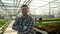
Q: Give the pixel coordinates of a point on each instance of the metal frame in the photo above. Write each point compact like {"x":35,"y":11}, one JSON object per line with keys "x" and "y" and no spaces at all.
{"x":17,"y":3}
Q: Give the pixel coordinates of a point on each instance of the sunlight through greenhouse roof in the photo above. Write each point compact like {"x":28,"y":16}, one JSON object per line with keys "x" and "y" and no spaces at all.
{"x":35,"y":6}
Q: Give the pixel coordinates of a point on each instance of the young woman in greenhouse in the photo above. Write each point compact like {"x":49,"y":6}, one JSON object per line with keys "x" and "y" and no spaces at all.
{"x":25,"y":23}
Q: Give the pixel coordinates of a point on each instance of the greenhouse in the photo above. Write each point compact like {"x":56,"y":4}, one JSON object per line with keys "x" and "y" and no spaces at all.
{"x":46,"y":15}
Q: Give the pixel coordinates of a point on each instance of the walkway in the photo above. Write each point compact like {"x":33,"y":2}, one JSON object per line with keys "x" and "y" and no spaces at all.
{"x":9,"y":29}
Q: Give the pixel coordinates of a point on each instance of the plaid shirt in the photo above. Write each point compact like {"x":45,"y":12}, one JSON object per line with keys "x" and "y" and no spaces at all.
{"x":23,"y":24}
